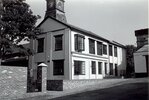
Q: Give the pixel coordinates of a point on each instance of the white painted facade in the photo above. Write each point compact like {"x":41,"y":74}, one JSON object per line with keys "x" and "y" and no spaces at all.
{"x":140,"y":60}
{"x":51,"y":28}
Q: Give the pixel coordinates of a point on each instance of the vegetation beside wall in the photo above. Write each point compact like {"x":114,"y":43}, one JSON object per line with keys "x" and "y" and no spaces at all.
{"x":130,"y":49}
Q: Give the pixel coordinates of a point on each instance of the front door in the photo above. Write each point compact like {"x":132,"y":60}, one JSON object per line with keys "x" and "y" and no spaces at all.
{"x":39,"y":80}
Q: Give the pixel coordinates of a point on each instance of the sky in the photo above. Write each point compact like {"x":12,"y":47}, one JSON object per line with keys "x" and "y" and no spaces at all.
{"x":111,"y":19}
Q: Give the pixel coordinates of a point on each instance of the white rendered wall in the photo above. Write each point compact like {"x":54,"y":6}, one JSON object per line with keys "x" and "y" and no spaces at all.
{"x":120,"y":60}
{"x":49,"y":53}
{"x":140,"y":62}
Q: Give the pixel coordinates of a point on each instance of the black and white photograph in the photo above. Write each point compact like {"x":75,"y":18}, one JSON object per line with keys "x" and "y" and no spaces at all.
{"x":74,"y":50}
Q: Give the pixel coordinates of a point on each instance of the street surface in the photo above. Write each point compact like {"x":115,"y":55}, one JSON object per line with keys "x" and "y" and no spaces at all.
{"x":131,"y":91}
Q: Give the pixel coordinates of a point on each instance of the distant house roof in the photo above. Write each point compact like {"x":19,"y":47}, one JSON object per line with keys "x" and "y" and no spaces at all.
{"x":16,"y":51}
{"x":141,"y":32}
{"x":143,"y":49}
{"x":89,"y":33}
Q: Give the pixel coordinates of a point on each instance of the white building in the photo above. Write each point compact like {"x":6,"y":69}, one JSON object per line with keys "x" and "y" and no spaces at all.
{"x":72,"y":53}
{"x":142,"y":54}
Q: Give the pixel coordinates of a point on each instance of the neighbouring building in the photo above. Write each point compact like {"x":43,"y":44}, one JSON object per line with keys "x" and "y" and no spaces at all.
{"x":71,"y":53}
{"x":141,"y":55}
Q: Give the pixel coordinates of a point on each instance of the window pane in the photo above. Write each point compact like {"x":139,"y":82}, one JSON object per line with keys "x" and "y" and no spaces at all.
{"x":58,"y":67}
{"x":79,"y":43}
{"x":111,"y":68}
{"x":99,"y":48}
{"x":105,"y":68}
{"x":79,"y":68}
{"x":104,"y":49}
{"x":91,"y":46}
{"x":40,"y":47}
{"x":58,"y":42}
{"x":110,"y":50}
{"x":93,"y":67}
{"x":99,"y":67}
{"x":115,"y":51}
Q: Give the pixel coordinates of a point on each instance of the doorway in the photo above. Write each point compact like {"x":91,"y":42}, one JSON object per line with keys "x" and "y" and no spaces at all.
{"x":116,"y":70}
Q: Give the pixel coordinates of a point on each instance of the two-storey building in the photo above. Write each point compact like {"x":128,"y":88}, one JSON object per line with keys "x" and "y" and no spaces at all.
{"x":72,"y":53}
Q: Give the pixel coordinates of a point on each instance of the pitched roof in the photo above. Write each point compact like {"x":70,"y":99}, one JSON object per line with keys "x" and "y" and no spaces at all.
{"x":143,"y":49}
{"x":89,"y":33}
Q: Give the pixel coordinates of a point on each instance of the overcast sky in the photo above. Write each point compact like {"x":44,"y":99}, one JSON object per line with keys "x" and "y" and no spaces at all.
{"x":112,"y":19}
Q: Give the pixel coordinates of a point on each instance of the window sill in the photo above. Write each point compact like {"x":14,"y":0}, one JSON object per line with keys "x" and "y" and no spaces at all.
{"x":58,"y":75}
{"x":78,"y":74}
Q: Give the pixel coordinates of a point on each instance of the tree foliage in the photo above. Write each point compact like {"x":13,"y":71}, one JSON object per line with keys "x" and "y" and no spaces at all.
{"x":130,"y":49}
{"x":17,"y":23}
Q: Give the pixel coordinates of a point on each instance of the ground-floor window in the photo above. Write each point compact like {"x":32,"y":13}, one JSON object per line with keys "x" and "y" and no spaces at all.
{"x":111,"y":68}
{"x":99,"y":67}
{"x":93,"y":66}
{"x":58,"y":67}
{"x":106,"y":68}
{"x":79,"y":67}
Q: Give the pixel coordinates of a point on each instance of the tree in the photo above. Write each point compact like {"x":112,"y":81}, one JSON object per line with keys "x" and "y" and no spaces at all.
{"x":17,"y":23}
{"x":130,"y":49}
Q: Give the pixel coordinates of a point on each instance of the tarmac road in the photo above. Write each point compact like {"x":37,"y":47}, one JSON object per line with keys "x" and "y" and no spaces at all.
{"x":131,"y":91}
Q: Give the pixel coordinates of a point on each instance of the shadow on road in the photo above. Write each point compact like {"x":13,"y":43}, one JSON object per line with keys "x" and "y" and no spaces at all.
{"x":131,"y":91}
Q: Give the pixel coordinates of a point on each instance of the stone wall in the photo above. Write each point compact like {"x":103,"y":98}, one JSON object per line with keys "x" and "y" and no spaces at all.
{"x":13,"y":81}
{"x":62,"y":85}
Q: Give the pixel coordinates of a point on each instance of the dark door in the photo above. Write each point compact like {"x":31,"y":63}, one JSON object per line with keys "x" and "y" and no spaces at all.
{"x":39,"y":79}
{"x":116,"y":73}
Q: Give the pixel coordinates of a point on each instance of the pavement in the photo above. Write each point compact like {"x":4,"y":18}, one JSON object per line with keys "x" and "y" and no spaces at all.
{"x":105,"y":83}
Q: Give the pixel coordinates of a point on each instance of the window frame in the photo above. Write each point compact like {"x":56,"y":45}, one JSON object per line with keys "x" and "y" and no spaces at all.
{"x":56,"y":44}
{"x":91,"y":46}
{"x":100,"y":67}
{"x":115,"y":51}
{"x":104,"y":49}
{"x":105,"y":66}
{"x":55,"y":72}
{"x":76,"y":41}
{"x":39,"y":44}
{"x":111,"y":69}
{"x":110,"y":50}
{"x":99,"y":49}
{"x":81,"y":69}
{"x":93,"y":67}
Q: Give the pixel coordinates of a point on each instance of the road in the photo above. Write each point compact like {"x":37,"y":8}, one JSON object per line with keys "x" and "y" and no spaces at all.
{"x":132,"y":91}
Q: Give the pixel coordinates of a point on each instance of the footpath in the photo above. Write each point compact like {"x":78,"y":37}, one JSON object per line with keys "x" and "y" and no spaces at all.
{"x":105,"y":83}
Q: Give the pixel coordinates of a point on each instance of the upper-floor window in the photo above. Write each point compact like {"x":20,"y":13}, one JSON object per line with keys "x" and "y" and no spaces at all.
{"x":91,"y":46}
{"x":93,"y":66}
{"x":79,"y":43}
{"x":110,"y":50}
{"x":79,"y":68}
{"x":58,"y":42}
{"x":58,"y":67}
{"x":99,"y":48}
{"x":104,"y":49}
{"x":115,"y":51}
{"x":40,"y":47}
